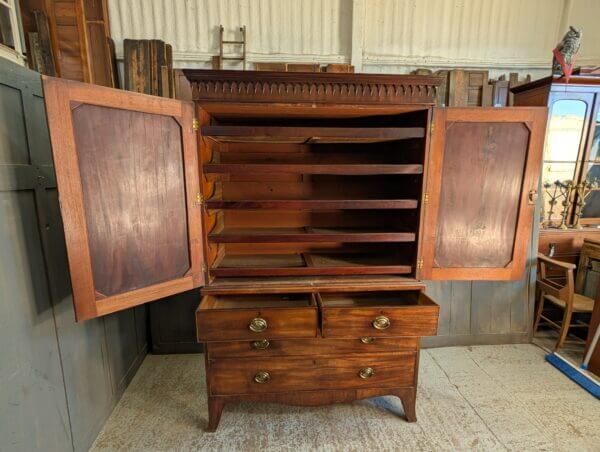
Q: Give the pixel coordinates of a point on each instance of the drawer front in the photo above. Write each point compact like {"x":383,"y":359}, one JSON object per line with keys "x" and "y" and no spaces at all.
{"x":231,"y":325}
{"x":313,"y":347}
{"x":385,"y":320}
{"x":254,"y":317}
{"x":249,"y":376}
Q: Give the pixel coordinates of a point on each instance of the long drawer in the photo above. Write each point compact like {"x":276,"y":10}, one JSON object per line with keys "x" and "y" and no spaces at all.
{"x":250,"y":376}
{"x":378,"y":314}
{"x":255,"y":317}
{"x":263,"y":348}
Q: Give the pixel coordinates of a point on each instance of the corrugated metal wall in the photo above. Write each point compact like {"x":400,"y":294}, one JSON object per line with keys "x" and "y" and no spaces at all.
{"x":312,"y":30}
{"x":393,"y":35}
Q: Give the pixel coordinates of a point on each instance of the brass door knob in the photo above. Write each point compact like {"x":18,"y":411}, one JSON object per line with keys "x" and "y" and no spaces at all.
{"x":258,"y":324}
{"x":367,"y":340}
{"x":365,"y":373}
{"x":261,"y":345}
{"x":381,"y":322}
{"x":262,"y":377}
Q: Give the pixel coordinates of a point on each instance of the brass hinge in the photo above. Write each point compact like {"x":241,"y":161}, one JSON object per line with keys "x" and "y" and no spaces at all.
{"x":204,"y":267}
{"x":431,"y":127}
{"x":195,"y":125}
{"x":425,"y":198}
{"x":419,"y":264}
{"x":199,"y":199}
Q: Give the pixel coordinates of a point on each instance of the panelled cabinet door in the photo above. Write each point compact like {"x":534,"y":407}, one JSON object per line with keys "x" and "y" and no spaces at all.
{"x":127,"y":173}
{"x":482,"y":180}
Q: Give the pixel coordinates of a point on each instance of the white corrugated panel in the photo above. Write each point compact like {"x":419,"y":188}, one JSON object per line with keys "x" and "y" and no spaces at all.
{"x":310,"y":30}
{"x":515,"y":33}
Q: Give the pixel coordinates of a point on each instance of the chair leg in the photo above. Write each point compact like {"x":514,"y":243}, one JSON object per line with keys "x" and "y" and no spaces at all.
{"x":564,"y":329}
{"x":538,"y":312}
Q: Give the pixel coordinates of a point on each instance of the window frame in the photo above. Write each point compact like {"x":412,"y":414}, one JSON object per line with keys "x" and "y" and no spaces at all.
{"x":581,"y":165}
{"x":16,"y":55}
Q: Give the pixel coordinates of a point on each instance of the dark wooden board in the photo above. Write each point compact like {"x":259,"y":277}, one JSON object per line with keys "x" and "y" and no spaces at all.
{"x":275,"y":235}
{"x":226,"y":134}
{"x":310,"y":204}
{"x":342,"y":169}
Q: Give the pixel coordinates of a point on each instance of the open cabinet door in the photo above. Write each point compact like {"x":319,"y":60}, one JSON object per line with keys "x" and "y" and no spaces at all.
{"x":484,"y":166}
{"x":127,"y":174}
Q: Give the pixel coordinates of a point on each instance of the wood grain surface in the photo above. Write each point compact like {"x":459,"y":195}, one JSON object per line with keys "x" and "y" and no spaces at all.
{"x":134,"y":197}
{"x":236,"y":376}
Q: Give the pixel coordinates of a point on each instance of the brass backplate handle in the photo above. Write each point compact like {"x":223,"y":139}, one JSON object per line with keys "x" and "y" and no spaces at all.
{"x":381,"y":322}
{"x":365,"y":373}
{"x":367,"y":340}
{"x":262,"y":377}
{"x":533,"y":196}
{"x":258,"y":324}
{"x":261,"y":345}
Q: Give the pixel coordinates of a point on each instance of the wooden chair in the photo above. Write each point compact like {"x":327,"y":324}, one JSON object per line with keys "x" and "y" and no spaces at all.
{"x":560,"y":294}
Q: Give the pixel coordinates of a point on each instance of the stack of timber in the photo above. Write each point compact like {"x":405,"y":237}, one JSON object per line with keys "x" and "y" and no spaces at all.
{"x":148,"y":67}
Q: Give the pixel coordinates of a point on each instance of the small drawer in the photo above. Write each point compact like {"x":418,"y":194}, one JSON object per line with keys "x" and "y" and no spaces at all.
{"x":314,"y":347}
{"x":378,"y":314}
{"x":249,"y":376}
{"x":255,"y":317}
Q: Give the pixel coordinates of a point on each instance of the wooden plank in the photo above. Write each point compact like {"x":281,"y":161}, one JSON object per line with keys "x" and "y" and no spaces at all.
{"x":257,"y":235}
{"x":342,"y":169}
{"x":322,"y":264}
{"x":31,"y":386}
{"x":460,"y":308}
{"x":346,"y":283}
{"x":304,"y":134}
{"x":310,"y":204}
{"x":44,"y":40}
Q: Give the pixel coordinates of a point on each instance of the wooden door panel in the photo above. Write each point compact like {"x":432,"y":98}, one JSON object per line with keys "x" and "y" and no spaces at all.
{"x":127,"y":174}
{"x":137,"y":179}
{"x":483,"y":164}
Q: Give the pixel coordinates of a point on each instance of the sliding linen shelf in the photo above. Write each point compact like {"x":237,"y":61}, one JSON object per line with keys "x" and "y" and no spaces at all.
{"x":308,"y":235}
{"x":313,"y":204}
{"x":291,"y":168}
{"x":303,"y":264}
{"x":270,"y":134}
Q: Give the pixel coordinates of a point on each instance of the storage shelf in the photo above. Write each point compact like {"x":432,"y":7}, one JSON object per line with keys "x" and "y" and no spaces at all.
{"x":308,"y":235}
{"x":309,"y":264}
{"x":341,"y":169}
{"x":313,"y":204}
{"x":270,"y":134}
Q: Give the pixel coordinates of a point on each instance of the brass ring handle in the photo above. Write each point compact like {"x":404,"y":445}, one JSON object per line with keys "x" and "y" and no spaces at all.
{"x":258,"y":324}
{"x":261,"y":345}
{"x":367,"y":340}
{"x":381,"y":322}
{"x":262,"y":377}
{"x":365,"y":373}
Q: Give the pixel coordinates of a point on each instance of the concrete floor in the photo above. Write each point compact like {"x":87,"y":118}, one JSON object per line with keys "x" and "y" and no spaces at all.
{"x":470,"y":398}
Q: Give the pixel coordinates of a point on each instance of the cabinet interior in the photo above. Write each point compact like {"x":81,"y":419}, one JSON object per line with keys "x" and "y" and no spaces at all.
{"x":301,"y":194}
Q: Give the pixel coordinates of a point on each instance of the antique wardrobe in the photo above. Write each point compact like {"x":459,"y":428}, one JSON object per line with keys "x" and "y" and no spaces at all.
{"x":308,"y":206}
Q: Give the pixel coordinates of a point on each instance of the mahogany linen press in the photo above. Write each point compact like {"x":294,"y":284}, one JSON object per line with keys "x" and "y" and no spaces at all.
{"x":309,"y":207}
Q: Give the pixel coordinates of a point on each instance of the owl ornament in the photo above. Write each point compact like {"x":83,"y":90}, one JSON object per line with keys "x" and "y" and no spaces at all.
{"x":565,"y":53}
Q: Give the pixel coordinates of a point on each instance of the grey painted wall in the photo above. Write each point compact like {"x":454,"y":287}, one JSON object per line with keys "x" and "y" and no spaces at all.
{"x":59,"y":380}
